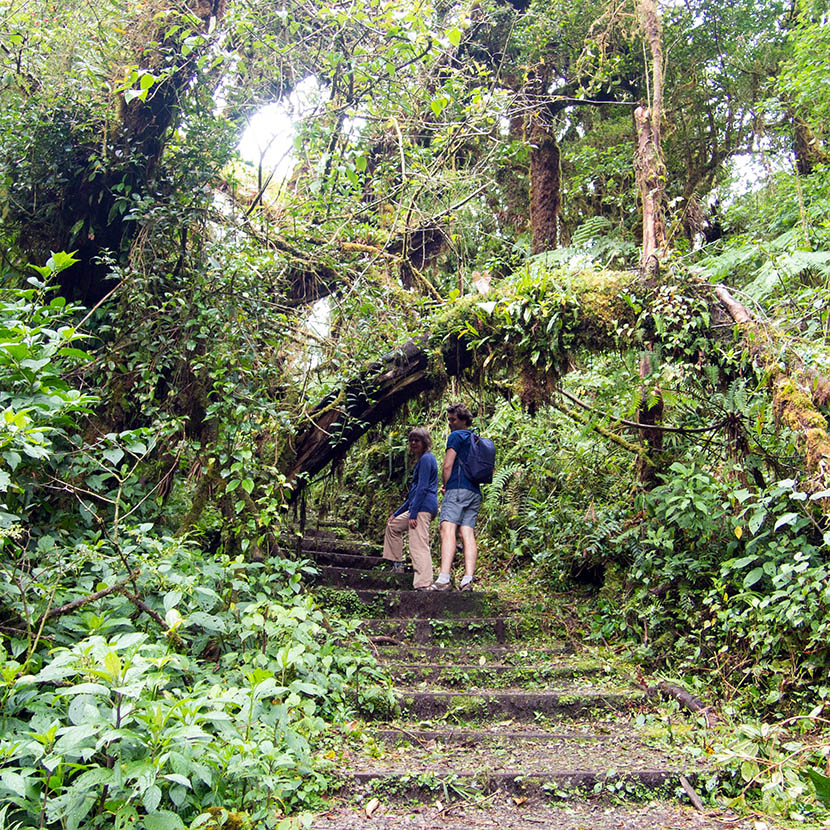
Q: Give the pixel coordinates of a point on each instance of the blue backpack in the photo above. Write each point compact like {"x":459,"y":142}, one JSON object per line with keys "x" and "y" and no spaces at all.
{"x":481,"y":460}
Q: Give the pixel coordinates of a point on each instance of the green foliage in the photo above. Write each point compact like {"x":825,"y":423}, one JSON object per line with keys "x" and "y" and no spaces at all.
{"x":804,"y":74}
{"x":36,"y":402}
{"x":113,"y":723}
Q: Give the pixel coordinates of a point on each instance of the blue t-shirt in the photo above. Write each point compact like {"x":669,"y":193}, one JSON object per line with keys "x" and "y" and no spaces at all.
{"x":459,"y":440}
{"x":423,"y":489}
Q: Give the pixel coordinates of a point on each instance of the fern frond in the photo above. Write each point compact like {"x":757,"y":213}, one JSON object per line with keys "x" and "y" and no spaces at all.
{"x":494,"y":491}
{"x":589,"y":230}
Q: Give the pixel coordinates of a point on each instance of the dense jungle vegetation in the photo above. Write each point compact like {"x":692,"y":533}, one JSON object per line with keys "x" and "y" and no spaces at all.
{"x":605,"y":225}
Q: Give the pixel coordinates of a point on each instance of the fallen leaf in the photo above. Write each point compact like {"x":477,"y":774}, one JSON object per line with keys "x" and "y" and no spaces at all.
{"x":371,"y":807}
{"x":519,"y":801}
{"x":439,"y":806}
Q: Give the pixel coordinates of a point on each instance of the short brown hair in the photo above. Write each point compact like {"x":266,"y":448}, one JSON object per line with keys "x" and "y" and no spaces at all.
{"x":423,"y":436}
{"x":461,"y":412}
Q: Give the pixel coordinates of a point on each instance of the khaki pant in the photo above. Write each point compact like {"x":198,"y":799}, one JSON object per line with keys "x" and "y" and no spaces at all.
{"x":418,"y":546}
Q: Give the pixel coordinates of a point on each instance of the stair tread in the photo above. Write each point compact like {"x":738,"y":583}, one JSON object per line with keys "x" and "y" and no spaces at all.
{"x":502,"y":812}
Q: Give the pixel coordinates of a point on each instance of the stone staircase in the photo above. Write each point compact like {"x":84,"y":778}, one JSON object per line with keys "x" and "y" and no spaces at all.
{"x":495,"y":722}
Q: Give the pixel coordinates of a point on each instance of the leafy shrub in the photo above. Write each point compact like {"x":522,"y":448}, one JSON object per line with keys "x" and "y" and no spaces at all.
{"x":222,"y":701}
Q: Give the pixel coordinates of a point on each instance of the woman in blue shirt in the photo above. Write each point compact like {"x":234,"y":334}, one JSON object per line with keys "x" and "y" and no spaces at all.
{"x":415,"y":513}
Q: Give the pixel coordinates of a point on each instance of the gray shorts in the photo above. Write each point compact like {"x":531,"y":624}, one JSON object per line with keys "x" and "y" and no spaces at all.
{"x":460,"y":507}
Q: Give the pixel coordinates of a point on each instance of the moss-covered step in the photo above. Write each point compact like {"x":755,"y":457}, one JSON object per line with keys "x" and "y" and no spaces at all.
{"x":461,"y":675}
{"x":487,"y":704}
{"x":310,"y":545}
{"x":613,"y":729}
{"x":515,"y":655}
{"x":346,"y":560}
{"x":449,"y":785}
{"x":363,"y":579}
{"x":451,"y":631}
{"x":429,"y":604}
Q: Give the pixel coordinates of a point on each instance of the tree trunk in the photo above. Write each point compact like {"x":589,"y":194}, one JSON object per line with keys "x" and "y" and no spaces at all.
{"x":650,"y":413}
{"x":545,"y":184}
{"x":649,"y":165}
{"x":806,"y":147}
{"x":651,"y":176}
{"x":341,"y":418}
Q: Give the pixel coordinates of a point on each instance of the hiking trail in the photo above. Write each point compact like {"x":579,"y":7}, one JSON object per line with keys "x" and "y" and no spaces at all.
{"x":496,"y":724}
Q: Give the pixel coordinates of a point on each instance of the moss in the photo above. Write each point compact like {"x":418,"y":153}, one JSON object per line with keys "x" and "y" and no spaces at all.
{"x":793,"y":408}
{"x":223,"y":819}
{"x":466,"y":707}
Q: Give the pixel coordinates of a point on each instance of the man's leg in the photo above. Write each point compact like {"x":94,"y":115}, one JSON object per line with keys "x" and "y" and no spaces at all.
{"x":447,"y":551}
{"x":468,"y":539}
{"x":393,"y":537}
{"x":419,"y":551}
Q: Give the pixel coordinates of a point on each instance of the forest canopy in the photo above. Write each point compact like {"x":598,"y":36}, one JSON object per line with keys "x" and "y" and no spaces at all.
{"x":605,"y":225}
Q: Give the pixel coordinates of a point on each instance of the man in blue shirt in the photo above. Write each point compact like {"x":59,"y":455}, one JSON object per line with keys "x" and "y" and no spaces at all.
{"x":462,"y":500}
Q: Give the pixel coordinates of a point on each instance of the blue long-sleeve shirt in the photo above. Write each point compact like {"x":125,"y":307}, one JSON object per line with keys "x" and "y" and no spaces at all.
{"x":423,"y":489}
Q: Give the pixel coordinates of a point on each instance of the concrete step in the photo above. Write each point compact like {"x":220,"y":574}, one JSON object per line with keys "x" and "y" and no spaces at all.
{"x":450,"y":785}
{"x":363,"y":579}
{"x":529,"y":761}
{"x":346,"y":560}
{"x":408,"y":604}
{"x":311,"y":545}
{"x":516,"y":655}
{"x":460,"y":675}
{"x":403,"y":631}
{"x":504,"y":734}
{"x":487,"y":705}
{"x":452,"y":630}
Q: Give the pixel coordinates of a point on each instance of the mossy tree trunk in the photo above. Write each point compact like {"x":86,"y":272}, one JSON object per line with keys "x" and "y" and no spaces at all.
{"x":545,"y":187}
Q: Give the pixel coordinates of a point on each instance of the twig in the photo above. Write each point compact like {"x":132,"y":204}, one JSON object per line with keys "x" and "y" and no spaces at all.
{"x":142,"y":606}
{"x":469,"y":801}
{"x":78,"y":603}
{"x":693,"y":796}
{"x":408,"y":734}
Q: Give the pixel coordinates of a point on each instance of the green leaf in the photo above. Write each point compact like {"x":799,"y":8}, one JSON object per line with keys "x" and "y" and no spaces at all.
{"x":61,"y":260}
{"x":131,"y":94}
{"x":454,"y":36}
{"x":752,"y":577}
{"x":114,"y":455}
{"x":756,"y":520}
{"x":178,"y":779}
{"x":163,"y":820}
{"x":822,"y":785}
{"x":786,"y":519}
